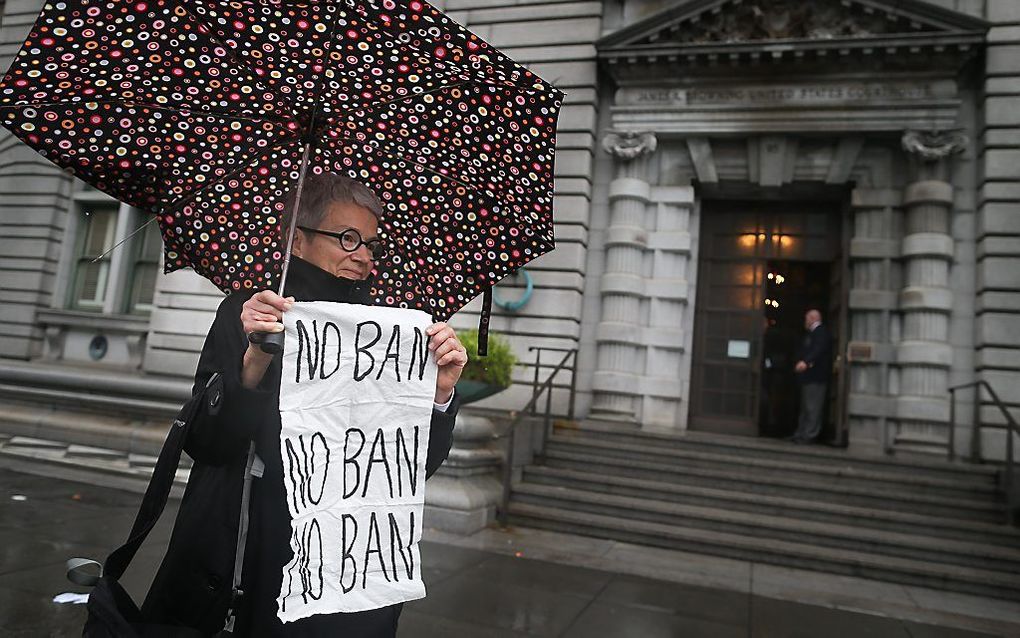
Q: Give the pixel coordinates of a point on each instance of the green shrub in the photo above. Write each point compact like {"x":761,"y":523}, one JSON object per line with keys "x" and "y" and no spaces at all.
{"x":495,"y":367}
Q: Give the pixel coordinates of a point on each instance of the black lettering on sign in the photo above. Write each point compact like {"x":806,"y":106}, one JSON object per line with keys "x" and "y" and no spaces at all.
{"x":378,"y":444}
{"x":305,"y":347}
{"x":373,"y":527}
{"x":397,"y":544}
{"x":419,"y":353}
{"x":307,"y":561}
{"x":411,"y":462}
{"x":301,"y":468}
{"x":352,"y":459}
{"x":363,"y":349}
{"x":346,"y":549}
{"x":325,"y":335}
{"x":392,"y":353}
{"x":311,"y":547}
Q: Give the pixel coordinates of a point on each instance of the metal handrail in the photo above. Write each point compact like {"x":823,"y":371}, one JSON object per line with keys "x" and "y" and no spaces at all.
{"x":1011,"y":490}
{"x":529,"y":408}
{"x":538,"y":367}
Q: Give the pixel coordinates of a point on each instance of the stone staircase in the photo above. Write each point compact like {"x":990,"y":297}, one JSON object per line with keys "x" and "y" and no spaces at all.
{"x":917,"y":522}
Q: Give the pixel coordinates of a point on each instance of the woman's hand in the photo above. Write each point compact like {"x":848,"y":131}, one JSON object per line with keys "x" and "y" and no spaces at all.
{"x":263,"y":312}
{"x":451,"y":357}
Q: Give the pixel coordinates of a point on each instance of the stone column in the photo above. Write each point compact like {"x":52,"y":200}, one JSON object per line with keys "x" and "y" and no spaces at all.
{"x":875,"y":282}
{"x":924,"y":354}
{"x":619,"y":360}
{"x":666,"y":374}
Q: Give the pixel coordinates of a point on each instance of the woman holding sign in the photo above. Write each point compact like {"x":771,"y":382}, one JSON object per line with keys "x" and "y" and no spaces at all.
{"x":333,"y":254}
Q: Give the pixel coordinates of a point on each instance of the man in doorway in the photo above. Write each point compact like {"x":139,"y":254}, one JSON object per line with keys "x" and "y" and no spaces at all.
{"x":813,"y":369}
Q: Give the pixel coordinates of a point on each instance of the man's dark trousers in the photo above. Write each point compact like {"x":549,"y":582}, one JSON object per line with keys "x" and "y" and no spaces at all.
{"x":812,"y":405}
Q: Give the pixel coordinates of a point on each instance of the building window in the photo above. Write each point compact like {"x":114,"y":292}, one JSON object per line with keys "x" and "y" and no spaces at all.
{"x":97,"y":224}
{"x":116,"y":256}
{"x":144,"y":269}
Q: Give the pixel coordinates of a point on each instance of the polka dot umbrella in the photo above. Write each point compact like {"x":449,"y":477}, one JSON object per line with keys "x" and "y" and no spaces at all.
{"x":207,"y":113}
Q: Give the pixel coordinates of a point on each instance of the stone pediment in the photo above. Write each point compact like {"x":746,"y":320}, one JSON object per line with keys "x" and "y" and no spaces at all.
{"x":713,"y":26}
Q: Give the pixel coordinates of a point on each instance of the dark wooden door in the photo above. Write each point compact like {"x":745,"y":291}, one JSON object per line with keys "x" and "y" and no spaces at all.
{"x":739,"y":241}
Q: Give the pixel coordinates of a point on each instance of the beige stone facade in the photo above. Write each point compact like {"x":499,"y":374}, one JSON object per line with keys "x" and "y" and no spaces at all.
{"x":901,"y":119}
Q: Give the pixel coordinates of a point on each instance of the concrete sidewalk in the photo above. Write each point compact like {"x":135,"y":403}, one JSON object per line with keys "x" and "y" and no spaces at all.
{"x":497,"y":582}
{"x":814,"y":594}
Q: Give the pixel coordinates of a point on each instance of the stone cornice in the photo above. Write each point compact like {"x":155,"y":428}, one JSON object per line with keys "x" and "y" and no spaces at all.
{"x":702,"y":33}
{"x":903,"y":16}
{"x":744,"y":53}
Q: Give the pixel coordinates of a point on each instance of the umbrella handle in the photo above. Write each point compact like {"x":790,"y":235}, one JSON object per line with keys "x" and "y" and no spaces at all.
{"x":268,"y":342}
{"x":272,"y":342}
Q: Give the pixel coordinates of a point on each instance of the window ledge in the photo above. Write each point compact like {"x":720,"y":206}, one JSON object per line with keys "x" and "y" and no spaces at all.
{"x":83,"y":319}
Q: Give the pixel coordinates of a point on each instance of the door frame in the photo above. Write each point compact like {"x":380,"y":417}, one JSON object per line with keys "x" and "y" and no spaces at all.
{"x":838,"y":198}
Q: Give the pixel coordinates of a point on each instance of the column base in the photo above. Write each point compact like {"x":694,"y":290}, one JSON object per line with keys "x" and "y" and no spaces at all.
{"x":461,"y":497}
{"x":461,"y":505}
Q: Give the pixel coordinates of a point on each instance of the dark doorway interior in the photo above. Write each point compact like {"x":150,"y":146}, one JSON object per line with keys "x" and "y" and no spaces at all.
{"x":791,"y":287}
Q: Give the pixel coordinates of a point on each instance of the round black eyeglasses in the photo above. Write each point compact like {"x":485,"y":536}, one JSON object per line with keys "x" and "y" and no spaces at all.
{"x":350,"y":240}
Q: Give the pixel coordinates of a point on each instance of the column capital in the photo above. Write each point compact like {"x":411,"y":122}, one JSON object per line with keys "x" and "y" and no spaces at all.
{"x":932,"y":146}
{"x":629,"y":145}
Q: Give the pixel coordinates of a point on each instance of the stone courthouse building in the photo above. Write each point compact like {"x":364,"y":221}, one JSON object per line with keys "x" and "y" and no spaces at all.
{"x":722,"y":165}
{"x":867,"y":152}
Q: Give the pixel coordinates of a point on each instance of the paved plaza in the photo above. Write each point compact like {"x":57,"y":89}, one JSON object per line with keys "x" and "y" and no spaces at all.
{"x":485,"y":585}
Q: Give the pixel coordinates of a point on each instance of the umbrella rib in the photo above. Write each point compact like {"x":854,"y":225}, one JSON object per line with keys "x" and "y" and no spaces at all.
{"x":322,"y":85}
{"x":232,"y":55}
{"x":192,"y":194}
{"x":121,"y":242}
{"x":227,"y":114}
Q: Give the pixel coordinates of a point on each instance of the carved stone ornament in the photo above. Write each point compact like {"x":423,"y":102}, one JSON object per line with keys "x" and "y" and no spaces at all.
{"x":784,"y":19}
{"x":627,"y":145}
{"x":932,"y":146}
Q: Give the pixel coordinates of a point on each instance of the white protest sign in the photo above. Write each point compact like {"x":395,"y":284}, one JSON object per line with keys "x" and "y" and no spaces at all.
{"x":355,"y":407}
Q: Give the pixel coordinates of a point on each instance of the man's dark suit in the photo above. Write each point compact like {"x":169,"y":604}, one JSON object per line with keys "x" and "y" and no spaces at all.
{"x":816,"y":352}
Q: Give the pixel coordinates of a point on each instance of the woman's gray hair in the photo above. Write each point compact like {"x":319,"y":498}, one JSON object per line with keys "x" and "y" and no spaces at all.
{"x":324,"y":189}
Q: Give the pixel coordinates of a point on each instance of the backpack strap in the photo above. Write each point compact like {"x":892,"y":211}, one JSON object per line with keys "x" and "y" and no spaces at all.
{"x":156,"y":494}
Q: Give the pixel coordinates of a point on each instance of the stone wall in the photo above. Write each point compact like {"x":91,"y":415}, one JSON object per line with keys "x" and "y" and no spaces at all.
{"x":33,"y":215}
{"x":998,"y":220}
{"x":555,"y":40}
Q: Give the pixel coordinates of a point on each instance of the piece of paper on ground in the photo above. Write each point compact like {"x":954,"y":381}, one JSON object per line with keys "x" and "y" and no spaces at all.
{"x":356,"y":401}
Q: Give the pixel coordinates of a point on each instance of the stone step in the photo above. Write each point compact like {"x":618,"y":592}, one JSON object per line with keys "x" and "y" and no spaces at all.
{"x":90,"y":452}
{"x":97,"y":471}
{"x":765,"y":448}
{"x":793,"y":508}
{"x":811,"y":474}
{"x":148,"y":462}
{"x":733,"y":479}
{"x":908,"y":571}
{"x":31,"y":443}
{"x":915,"y":546}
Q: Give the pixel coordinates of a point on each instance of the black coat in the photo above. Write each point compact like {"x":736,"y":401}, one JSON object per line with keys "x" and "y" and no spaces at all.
{"x":816,"y":351}
{"x":193,"y":584}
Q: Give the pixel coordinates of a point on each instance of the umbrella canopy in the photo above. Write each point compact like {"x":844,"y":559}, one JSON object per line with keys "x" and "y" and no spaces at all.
{"x":201,"y":111}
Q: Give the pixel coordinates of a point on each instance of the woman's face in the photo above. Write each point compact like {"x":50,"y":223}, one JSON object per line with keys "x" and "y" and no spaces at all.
{"x":325,"y":251}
